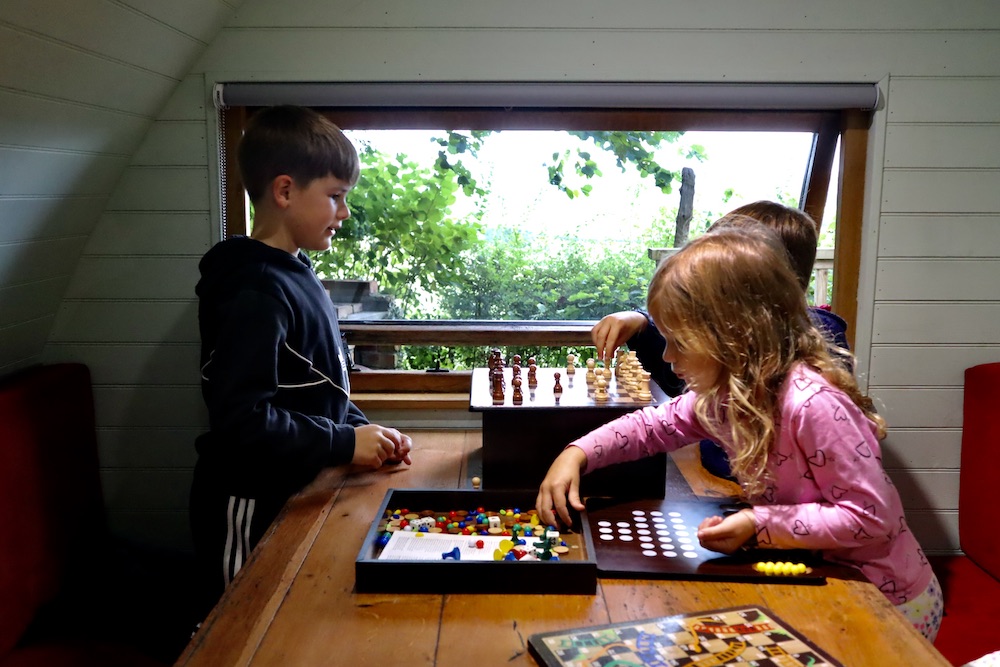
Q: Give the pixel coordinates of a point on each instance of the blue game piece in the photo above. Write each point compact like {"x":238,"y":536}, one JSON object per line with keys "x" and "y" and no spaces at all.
{"x":454,"y":553}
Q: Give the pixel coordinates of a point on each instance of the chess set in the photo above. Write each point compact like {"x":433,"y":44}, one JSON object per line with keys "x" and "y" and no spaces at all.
{"x":626,"y":383}
{"x":722,"y":637}
{"x":530,"y":414}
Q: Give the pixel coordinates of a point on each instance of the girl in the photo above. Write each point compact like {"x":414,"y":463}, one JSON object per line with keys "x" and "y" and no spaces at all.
{"x":802,"y":439}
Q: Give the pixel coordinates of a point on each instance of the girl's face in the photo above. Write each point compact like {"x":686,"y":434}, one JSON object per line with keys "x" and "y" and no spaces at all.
{"x":699,"y":372}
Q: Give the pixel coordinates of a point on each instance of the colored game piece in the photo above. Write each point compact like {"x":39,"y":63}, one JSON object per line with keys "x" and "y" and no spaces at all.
{"x":455,"y":553}
{"x":532,"y":375}
{"x":570,"y":364}
{"x":476,"y":482}
{"x":591,"y":375}
{"x":557,"y":387}
{"x":518,"y":396}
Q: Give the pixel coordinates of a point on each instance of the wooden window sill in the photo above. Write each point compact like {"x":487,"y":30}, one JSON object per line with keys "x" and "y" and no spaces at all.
{"x":410,"y":401}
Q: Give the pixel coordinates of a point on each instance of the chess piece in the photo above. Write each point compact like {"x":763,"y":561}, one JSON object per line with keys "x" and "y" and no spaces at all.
{"x":476,"y":482}
{"x":532,"y":375}
{"x":518,"y":396}
{"x":497,"y":387}
{"x":516,"y":359}
{"x":570,"y":364}
{"x":516,"y":370}
{"x":601,"y":392}
{"x":557,"y":387}
{"x":644,"y":393}
{"x":591,"y":375}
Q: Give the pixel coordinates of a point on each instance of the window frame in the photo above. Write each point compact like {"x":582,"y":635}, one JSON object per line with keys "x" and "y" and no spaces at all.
{"x":850,"y":126}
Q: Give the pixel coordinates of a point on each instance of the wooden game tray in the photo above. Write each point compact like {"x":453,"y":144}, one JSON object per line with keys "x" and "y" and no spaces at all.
{"x":675,"y":552}
{"x":574,"y":573}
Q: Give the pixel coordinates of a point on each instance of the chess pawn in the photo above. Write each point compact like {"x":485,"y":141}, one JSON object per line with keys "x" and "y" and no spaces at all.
{"x":557,"y":387}
{"x":591,"y":375}
{"x":644,"y":393}
{"x":531,"y":361}
{"x":516,"y":359}
{"x":518,"y":396}
{"x":516,"y":370}
{"x":601,"y":392}
{"x":570,"y":364}
{"x":532,"y":375}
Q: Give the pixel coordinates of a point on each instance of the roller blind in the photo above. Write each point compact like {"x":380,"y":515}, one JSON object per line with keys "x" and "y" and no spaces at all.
{"x":634,"y":95}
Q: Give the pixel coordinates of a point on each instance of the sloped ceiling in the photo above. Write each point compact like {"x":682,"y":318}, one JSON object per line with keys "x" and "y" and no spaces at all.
{"x":81,"y":81}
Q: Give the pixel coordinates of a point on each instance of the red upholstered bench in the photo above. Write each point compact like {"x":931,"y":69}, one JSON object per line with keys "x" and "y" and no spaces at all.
{"x":971,"y":583}
{"x":51,"y":519}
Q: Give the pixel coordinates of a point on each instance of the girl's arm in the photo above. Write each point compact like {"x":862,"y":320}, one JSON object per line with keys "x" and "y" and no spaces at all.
{"x":831,"y":490}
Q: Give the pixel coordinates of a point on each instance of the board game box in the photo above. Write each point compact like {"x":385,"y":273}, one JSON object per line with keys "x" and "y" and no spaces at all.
{"x":450,"y":560}
{"x":725,"y":637}
{"x":657,"y":539}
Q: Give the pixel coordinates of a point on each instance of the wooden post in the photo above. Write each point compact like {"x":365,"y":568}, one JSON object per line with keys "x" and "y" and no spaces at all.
{"x":685,"y":208}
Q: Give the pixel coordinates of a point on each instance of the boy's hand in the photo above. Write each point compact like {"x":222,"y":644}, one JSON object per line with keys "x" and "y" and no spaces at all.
{"x":375,"y":445}
{"x":729,"y":534}
{"x":561,"y":483}
{"x":614,"y":330}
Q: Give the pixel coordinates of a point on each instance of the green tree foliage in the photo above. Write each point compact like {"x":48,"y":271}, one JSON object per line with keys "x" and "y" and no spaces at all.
{"x":401,"y":232}
{"x":629,"y":148}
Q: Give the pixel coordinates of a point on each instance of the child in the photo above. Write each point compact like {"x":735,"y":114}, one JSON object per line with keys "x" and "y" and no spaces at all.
{"x":798,"y":233}
{"x":802,"y":439}
{"x":274,"y":375}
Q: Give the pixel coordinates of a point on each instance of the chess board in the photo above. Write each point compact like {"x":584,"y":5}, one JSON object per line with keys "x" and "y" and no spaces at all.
{"x":520,"y":441}
{"x":576,"y":392}
{"x":657,"y":539}
{"x":720,"y":638}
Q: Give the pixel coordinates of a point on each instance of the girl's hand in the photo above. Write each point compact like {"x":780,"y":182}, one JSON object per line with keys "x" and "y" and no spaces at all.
{"x":561,"y":484}
{"x":729,"y":534}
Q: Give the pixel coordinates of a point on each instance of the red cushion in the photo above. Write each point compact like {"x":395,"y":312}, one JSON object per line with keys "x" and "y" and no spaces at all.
{"x":76,"y":654}
{"x":50,"y":495}
{"x":972,"y":610}
{"x":980,"y":473}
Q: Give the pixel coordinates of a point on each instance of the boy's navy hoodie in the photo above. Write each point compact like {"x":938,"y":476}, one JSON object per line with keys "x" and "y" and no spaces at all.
{"x":274,"y":377}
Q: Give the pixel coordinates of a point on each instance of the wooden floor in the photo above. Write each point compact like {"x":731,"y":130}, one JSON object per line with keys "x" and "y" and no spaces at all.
{"x":294,"y":603}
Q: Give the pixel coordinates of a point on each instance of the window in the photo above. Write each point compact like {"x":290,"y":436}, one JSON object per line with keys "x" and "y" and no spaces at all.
{"x":813,"y":135}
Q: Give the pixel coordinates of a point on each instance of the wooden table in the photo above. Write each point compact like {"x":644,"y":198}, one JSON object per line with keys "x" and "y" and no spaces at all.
{"x":294,"y":601}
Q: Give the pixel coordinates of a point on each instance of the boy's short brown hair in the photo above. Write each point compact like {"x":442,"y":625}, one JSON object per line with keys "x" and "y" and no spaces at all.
{"x":799,"y":233}
{"x":295,"y":141}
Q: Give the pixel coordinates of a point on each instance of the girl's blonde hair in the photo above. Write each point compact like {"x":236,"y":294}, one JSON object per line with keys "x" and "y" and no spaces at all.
{"x":732,"y":297}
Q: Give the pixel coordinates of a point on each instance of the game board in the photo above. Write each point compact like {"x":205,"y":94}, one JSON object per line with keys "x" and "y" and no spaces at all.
{"x":718,"y":638}
{"x":520,"y":440}
{"x":568,"y":567}
{"x":657,"y":539}
{"x":576,"y":391}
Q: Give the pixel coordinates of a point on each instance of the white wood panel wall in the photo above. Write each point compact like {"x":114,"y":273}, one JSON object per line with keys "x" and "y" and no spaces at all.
{"x":932,"y":226}
{"x":81,"y":82}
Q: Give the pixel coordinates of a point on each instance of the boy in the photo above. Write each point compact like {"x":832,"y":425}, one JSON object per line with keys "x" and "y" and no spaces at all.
{"x":798,"y":233}
{"x":274,"y":375}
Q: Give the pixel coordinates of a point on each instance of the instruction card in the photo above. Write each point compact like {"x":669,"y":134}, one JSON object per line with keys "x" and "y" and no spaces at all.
{"x":412,"y":545}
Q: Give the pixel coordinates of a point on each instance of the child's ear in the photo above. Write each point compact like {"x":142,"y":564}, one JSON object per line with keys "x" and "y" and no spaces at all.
{"x":281,"y":188}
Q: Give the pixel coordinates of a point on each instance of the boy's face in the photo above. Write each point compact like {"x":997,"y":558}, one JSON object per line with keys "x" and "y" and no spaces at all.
{"x":316,"y":211}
